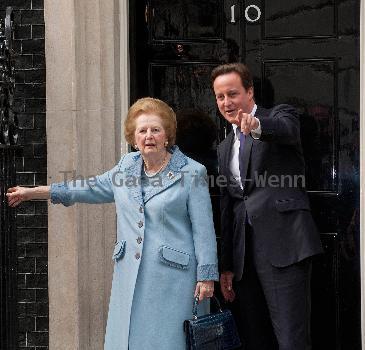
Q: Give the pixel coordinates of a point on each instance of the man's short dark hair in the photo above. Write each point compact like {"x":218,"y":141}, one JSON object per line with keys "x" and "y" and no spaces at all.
{"x":239,"y":68}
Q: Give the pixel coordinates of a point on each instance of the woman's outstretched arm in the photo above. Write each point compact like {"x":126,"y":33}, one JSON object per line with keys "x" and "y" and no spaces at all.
{"x":17,"y":195}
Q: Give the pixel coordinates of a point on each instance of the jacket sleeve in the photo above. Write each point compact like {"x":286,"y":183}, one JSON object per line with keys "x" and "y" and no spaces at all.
{"x":281,"y":126}
{"x":201,"y":217}
{"x":226,"y":212}
{"x":98,"y":189}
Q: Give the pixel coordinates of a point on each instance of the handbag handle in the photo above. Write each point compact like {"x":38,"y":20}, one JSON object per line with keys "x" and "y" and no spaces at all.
{"x":195,"y":305}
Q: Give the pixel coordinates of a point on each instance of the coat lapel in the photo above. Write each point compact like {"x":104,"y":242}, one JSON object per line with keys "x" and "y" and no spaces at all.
{"x":133,"y":172}
{"x":168,"y":177}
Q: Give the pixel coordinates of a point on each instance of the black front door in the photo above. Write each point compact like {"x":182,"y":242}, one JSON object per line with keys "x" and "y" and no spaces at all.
{"x":302,"y":53}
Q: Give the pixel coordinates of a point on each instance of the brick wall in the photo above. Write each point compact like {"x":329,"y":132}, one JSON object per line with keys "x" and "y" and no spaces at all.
{"x":31,"y":170}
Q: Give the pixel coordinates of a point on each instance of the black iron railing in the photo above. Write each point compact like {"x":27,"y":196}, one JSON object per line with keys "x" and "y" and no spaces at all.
{"x":8,"y":258}
{"x":8,"y":117}
{"x":8,"y":140}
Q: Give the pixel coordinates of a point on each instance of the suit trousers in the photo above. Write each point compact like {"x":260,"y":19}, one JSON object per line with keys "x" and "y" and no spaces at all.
{"x":272,"y":306}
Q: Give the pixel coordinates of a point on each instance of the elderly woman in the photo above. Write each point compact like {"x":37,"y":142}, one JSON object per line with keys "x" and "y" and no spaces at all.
{"x":166,"y":250}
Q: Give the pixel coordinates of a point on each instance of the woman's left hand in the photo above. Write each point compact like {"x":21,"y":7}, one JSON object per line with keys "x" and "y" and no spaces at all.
{"x":204,"y":289}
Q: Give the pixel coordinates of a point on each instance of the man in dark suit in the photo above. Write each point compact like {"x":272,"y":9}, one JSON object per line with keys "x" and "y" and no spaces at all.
{"x":268,"y":234}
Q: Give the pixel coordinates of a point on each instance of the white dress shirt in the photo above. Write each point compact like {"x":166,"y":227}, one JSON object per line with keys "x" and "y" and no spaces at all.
{"x":234,"y":162}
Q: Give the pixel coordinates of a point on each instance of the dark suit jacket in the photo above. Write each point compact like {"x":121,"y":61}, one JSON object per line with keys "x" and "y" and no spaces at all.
{"x":273,"y":196}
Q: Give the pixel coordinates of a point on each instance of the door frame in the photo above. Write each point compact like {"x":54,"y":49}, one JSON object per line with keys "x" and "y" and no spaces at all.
{"x":125,"y":57}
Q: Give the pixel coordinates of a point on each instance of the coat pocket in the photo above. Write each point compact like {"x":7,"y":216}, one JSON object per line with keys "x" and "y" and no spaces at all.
{"x":284,"y":205}
{"x":173,"y":257}
{"x":119,"y":250}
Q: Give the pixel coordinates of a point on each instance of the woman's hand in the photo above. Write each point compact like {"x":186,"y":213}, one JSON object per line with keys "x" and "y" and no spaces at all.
{"x":204,"y":289}
{"x":18,"y":194}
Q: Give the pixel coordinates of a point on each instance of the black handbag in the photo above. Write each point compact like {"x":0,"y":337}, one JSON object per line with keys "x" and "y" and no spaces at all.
{"x":216,"y":331}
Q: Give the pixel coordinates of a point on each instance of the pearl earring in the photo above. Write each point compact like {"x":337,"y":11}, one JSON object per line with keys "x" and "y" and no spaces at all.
{"x":136,"y":147}
{"x":166,"y":143}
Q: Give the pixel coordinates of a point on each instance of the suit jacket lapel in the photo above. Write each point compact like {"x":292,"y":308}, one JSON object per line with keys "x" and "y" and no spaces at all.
{"x":226,"y":153}
{"x":260,"y":112}
{"x":226,"y":147}
{"x":226,"y":150}
{"x":249,"y":144}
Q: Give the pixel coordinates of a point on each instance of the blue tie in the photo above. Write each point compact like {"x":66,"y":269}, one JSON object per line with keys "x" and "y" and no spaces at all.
{"x":240,"y":156}
{"x":241,"y":165}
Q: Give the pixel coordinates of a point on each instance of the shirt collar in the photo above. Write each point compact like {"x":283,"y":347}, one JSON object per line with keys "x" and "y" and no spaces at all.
{"x":234,"y":126}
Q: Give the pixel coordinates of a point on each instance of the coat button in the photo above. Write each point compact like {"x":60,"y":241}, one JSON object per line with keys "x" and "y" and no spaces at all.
{"x":141,"y":209}
{"x":139,"y":240}
{"x":245,"y":198}
{"x":140,"y":224}
{"x":137,"y":256}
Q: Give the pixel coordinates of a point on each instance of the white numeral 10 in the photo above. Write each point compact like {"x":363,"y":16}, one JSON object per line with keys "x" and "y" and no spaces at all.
{"x":248,"y":18}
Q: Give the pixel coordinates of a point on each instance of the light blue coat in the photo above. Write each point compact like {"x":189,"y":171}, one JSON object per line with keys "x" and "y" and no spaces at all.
{"x":165,"y":244}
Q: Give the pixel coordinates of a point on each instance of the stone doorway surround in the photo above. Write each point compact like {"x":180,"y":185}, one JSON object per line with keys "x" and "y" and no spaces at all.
{"x":87,"y":93}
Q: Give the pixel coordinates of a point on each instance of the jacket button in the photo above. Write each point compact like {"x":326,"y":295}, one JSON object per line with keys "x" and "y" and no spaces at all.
{"x":137,"y":256}
{"x":140,"y":224}
{"x":141,"y":209}
{"x":245,"y":198}
{"x":139,"y":240}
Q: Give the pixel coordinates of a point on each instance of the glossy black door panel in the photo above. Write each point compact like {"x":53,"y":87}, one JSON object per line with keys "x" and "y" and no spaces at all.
{"x":185,"y":20}
{"x":185,"y":85}
{"x":297,"y":83}
{"x":298,"y":19}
